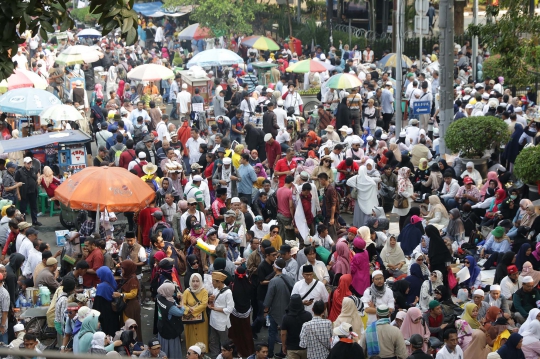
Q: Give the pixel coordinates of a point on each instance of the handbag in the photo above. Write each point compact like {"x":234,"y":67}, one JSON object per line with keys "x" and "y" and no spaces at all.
{"x":452,"y":281}
{"x":354,"y":191}
{"x":118,"y":305}
{"x":400,"y":201}
{"x":190,"y":318}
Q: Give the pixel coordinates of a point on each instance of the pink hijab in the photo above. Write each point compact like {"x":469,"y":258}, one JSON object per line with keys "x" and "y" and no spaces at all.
{"x":342,"y":264}
{"x":491,"y":176}
{"x":536,"y":253}
{"x":409,"y":328}
{"x":98,"y":88}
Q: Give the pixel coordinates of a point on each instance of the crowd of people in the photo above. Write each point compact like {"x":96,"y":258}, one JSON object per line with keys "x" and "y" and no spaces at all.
{"x":251,"y":227}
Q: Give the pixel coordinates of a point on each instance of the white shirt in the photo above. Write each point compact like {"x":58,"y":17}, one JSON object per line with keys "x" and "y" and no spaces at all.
{"x":281,"y":116}
{"x":162,"y":131}
{"x":318,"y":293}
{"x":18,"y":241}
{"x":241,"y":233}
{"x":336,"y":158}
{"x":246,"y":108}
{"x":445,"y":354}
{"x":22,"y":61}
{"x":508,"y":288}
{"x":220,"y":320}
{"x":295,"y":100}
{"x":259,"y":233}
{"x":387,"y":298}
{"x":159,"y":35}
{"x":283,"y":136}
{"x":368,"y":56}
{"x":200,"y":218}
{"x":183,"y":99}
{"x":412,"y":133}
{"x":193,"y":147}
{"x":136,"y":113}
{"x":204,"y":189}
{"x":26,"y":246}
{"x":34,"y":258}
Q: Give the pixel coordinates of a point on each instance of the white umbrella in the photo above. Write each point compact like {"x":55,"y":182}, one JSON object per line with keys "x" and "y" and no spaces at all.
{"x":150,"y":72}
{"x":89,"y":33}
{"x":78,"y":54}
{"x":215,"y":57}
{"x":61,"y":113}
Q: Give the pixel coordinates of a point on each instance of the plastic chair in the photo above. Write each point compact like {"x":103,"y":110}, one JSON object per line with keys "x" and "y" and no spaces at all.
{"x":53,"y":211}
{"x":42,"y":200}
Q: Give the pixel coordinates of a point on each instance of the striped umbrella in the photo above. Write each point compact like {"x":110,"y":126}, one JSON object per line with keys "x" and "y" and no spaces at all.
{"x":260,"y":43}
{"x":343,"y":81}
{"x":194,"y":32}
{"x":78,"y":54}
{"x":390,"y":60}
{"x":309,"y":66}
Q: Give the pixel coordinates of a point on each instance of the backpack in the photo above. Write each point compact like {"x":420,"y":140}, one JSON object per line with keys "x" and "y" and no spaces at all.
{"x":272,"y":203}
{"x":138,"y":134}
{"x":117,"y":154}
{"x":122,"y":74}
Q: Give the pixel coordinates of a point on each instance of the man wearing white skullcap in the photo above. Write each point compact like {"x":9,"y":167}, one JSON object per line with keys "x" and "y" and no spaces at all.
{"x":478,"y":299}
{"x":495,"y":299}
{"x":378,"y":293}
{"x":525,"y":299}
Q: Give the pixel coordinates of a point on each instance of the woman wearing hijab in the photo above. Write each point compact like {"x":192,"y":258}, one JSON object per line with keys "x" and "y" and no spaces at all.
{"x":512,"y":348}
{"x":336,"y":298}
{"x":406,"y":163}
{"x":529,"y":271}
{"x":411,"y":235}
{"x":439,"y":256}
{"x":129,"y":293}
{"x":445,"y":167}
{"x":413,"y":324}
{"x":259,"y":171}
{"x":170,"y":326}
{"x":475,"y":278}
{"x":513,"y":147}
{"x":110,"y":321}
{"x":405,"y":189}
{"x":493,"y":206}
{"x":343,"y":116}
{"x":427,"y":292}
{"x":421,"y":173}
{"x":360,"y":267}
{"x":464,"y":333}
{"x":434,"y":181}
{"x":478,"y":347}
{"x":438,"y":214}
{"x":491,"y":176}
{"x":473,"y":173}
{"x":88,"y":328}
{"x":420,"y":259}
{"x":366,"y":198}
{"x":100,"y":345}
{"x":470,"y":315}
{"x":531,"y":341}
{"x":342,"y":262}
{"x":523,"y":255}
{"x":240,"y":330}
{"x":455,"y":228}
{"x":492,"y":314}
{"x":416,"y":279}
{"x":397,"y":154}
{"x":400,"y":289}
{"x":195,"y":300}
{"x":393,"y":257}
{"x":48,"y":182}
{"x":193,"y":267}
{"x":501,"y":270}
{"x":349,"y":314}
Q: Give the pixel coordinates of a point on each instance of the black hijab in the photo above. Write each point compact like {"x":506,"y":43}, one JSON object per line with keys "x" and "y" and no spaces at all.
{"x":406,"y":162}
{"x":438,"y":252}
{"x":241,"y":291}
{"x":296,"y":307}
{"x":501,"y":271}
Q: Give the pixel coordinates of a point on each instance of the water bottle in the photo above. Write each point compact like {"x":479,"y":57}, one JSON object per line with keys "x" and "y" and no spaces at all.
{"x":38,"y":302}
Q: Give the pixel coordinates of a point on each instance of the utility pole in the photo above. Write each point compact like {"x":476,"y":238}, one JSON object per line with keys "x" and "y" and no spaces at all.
{"x":475,"y":41}
{"x":399,"y":16}
{"x":446,"y":60}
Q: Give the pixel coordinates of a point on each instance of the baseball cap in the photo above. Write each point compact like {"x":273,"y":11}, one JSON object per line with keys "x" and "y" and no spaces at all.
{"x":142,"y":154}
{"x":27,"y":160}
{"x":157,"y":214}
{"x":467,"y":180}
{"x":197,"y":178}
{"x":285,"y":248}
{"x":511,"y":269}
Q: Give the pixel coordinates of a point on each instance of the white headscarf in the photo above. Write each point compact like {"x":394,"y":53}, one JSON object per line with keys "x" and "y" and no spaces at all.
{"x":532,"y":317}
{"x":532,"y":334}
{"x":367,"y":190}
{"x":98,"y":340}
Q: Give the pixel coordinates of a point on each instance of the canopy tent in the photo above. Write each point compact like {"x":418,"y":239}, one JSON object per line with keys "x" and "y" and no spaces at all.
{"x":24,"y":143}
{"x":156,"y":9}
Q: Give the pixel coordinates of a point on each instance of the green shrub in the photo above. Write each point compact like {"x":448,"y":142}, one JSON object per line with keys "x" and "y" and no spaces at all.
{"x":472,"y":136}
{"x":527,"y":165}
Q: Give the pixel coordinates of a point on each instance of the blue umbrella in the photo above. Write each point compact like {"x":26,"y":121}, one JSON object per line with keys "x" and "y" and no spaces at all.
{"x":215,"y":57}
{"x":27,"y":101}
{"x":391,"y":60}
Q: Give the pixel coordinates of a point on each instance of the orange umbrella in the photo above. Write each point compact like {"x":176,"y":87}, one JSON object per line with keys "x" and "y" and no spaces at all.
{"x":99,"y":188}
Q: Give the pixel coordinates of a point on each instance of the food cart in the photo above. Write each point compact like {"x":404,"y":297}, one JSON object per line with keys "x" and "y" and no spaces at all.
{"x":264,"y":72}
{"x":204,"y":84}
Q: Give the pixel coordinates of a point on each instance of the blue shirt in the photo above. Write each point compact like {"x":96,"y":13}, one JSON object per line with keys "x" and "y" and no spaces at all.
{"x":387,"y":101}
{"x":141,"y":33}
{"x":248,"y":176}
{"x":501,"y":247}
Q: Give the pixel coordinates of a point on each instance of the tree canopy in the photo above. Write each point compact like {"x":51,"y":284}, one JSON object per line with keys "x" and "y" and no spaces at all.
{"x":39,"y":16}
{"x":235,"y":16}
{"x":514,"y":38}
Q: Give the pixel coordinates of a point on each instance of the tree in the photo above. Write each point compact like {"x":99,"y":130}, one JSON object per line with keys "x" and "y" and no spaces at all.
{"x":39,"y":16}
{"x":234,"y":16}
{"x":514,"y":37}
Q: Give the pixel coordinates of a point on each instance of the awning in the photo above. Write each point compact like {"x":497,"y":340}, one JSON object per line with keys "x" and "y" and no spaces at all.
{"x":25,"y":143}
{"x":156,"y":9}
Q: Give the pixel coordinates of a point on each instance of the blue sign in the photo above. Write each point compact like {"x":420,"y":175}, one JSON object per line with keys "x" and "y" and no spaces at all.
{"x":422,"y":108}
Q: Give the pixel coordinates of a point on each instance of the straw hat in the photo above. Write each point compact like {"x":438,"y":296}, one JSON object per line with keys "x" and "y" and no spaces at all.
{"x":149,"y":168}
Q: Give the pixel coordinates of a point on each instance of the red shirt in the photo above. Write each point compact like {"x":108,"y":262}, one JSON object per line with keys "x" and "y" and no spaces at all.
{"x":95,"y":261}
{"x":11,"y":238}
{"x":146,"y":221}
{"x":343,"y":166}
{"x":283,"y":166}
{"x":126,"y":157}
{"x":284,"y":195}
{"x":306,"y":206}
{"x":273,"y":150}
{"x":208,"y":174}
